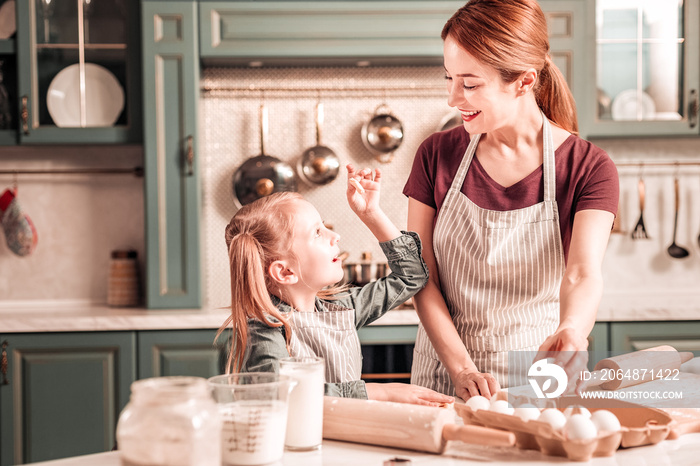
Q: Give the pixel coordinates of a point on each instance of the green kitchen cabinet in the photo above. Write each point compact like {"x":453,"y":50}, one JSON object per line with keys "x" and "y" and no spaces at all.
{"x":172,"y":185}
{"x":635,"y":336}
{"x":78,"y":74}
{"x":181,"y":352}
{"x":62,"y":393}
{"x":323,"y":32}
{"x":643,"y":70}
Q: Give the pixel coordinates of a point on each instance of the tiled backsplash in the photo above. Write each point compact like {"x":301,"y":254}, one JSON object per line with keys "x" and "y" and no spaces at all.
{"x":638,"y":274}
{"x":231,"y":134}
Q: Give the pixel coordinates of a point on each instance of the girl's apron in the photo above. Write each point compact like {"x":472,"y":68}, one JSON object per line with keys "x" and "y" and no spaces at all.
{"x":330,"y":334}
{"x":500,"y":274}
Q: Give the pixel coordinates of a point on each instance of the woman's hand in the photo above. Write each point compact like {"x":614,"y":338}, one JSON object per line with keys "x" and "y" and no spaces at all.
{"x":473,"y":383}
{"x":568,"y":348}
{"x":406,"y":393}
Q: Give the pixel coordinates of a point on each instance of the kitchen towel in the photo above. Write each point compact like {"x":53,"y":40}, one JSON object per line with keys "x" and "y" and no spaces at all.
{"x":20,"y":233}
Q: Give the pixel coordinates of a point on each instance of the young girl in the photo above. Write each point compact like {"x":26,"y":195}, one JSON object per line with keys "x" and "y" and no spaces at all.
{"x":283,"y":261}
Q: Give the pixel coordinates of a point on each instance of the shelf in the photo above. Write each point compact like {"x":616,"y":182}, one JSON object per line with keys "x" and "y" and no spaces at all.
{"x":86,"y":46}
{"x":7,"y":46}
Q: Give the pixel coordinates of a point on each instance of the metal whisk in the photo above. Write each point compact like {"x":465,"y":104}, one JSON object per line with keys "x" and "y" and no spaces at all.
{"x":640,"y":231}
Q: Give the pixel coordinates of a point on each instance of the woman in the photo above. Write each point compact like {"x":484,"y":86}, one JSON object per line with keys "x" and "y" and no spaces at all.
{"x":517,"y":207}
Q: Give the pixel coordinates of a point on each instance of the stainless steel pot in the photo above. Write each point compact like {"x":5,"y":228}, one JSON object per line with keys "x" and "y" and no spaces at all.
{"x":451,"y":120}
{"x":364,"y":271}
{"x":263,"y":174}
{"x":382,"y":134}
{"x":318,"y":165}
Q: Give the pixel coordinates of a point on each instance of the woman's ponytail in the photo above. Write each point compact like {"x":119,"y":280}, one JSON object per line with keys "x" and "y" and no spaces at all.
{"x":554,"y":97}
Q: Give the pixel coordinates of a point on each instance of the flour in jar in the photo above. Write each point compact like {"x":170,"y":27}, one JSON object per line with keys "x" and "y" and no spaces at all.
{"x":253,"y":432}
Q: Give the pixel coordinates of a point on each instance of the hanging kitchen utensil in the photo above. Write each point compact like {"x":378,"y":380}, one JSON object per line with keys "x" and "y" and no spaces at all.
{"x":318,"y":165}
{"x":20,"y":233}
{"x":451,"y":120}
{"x":382,"y":134}
{"x":674,"y":250}
{"x":640,"y":231}
{"x":263,"y":174}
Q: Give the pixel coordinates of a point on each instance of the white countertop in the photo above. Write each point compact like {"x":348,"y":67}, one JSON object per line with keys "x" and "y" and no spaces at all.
{"x":103,"y":318}
{"x":683,"y":451}
{"x":81,"y":317}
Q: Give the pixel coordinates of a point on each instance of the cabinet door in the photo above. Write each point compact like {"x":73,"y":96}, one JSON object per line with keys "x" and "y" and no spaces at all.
{"x":389,"y":31}
{"x":64,"y":393}
{"x":598,"y":344}
{"x":78,"y":71}
{"x":566,"y":20}
{"x":635,"y":336}
{"x":172,"y":191}
{"x":643,"y":71}
{"x":181,"y":352}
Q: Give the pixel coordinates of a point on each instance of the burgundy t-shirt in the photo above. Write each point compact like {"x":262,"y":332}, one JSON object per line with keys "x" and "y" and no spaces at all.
{"x":586,"y":179}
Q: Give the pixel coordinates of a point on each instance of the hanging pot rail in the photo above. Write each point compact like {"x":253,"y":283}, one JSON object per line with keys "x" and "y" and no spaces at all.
{"x":136,"y":171}
{"x":413,"y":89}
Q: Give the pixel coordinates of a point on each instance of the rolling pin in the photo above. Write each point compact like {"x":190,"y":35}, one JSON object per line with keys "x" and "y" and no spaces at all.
{"x":650,"y":364}
{"x":401,"y":425}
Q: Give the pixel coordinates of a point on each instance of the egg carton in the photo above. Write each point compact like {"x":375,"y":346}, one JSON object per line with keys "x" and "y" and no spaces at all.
{"x":640,"y":426}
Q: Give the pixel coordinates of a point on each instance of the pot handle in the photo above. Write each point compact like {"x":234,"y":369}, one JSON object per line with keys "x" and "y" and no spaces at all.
{"x":264,"y":122}
{"x":383,"y":106}
{"x":319,"y":122}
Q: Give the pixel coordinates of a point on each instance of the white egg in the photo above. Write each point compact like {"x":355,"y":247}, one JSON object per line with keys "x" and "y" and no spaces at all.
{"x":478,"y":402}
{"x":576,"y":409}
{"x":527,"y":412}
{"x":553,"y":417}
{"x":606,"y":421}
{"x":501,"y":406}
{"x":579,"y":427}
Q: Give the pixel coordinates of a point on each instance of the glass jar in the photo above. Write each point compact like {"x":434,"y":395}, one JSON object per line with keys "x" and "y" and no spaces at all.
{"x":171,"y":421}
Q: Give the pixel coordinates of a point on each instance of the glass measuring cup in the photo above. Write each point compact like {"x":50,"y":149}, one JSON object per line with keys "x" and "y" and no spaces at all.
{"x":253,"y":407}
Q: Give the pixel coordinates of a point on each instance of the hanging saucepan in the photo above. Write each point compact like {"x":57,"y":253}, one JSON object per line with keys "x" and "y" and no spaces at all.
{"x":319,"y":164}
{"x":451,"y":120}
{"x":263,"y":174}
{"x":382,"y":134}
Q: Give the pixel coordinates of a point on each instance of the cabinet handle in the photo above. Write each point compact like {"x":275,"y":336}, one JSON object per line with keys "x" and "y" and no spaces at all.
{"x":189,"y":156}
{"x":25,"y":116}
{"x":4,"y":363}
{"x":693,"y":108}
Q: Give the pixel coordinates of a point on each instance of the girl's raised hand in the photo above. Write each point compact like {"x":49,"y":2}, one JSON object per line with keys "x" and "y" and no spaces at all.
{"x":363,"y":189}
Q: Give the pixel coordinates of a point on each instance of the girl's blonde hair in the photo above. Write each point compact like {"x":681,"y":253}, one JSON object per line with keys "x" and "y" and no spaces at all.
{"x":257,"y":235}
{"x":511,"y":36}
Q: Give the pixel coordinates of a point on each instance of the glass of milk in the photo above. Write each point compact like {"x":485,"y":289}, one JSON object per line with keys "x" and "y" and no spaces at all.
{"x":305,"y":420}
{"x":253,"y":408}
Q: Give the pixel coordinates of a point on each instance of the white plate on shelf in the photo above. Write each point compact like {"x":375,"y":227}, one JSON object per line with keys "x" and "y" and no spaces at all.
{"x":104,"y":97}
{"x":624,"y":106}
{"x":8,"y":24}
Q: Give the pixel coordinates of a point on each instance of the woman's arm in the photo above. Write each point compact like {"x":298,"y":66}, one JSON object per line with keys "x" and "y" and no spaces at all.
{"x":435,"y":317}
{"x":581,"y":290}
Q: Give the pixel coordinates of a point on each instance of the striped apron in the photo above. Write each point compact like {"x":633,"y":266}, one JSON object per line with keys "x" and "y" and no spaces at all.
{"x":331,"y":335}
{"x":500,"y":274}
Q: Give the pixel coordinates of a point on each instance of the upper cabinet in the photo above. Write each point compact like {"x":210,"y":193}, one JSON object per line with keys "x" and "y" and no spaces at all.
{"x":324,"y":32}
{"x":643,"y":76}
{"x":78,"y":73}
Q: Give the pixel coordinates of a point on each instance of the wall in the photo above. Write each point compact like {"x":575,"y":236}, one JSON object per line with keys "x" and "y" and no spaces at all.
{"x":79,"y":219}
{"x":639,"y":275}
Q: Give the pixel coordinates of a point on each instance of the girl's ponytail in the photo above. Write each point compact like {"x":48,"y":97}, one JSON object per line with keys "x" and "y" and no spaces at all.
{"x":250,"y":297}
